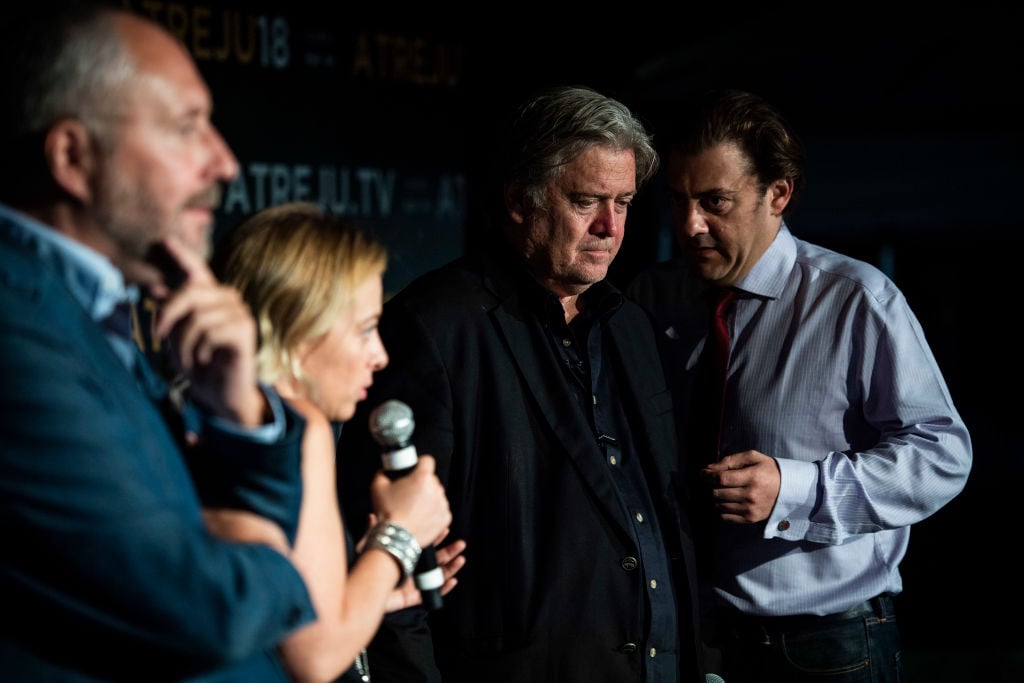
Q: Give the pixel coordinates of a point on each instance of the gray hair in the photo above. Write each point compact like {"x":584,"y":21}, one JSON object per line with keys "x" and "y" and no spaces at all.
{"x":72,"y":64}
{"x":84,"y":78}
{"x":558,"y":125}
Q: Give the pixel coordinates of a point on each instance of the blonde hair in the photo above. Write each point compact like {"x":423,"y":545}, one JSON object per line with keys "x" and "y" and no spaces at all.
{"x":297,"y":267}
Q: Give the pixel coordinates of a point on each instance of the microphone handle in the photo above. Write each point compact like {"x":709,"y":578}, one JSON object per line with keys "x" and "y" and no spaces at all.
{"x":428,"y":577}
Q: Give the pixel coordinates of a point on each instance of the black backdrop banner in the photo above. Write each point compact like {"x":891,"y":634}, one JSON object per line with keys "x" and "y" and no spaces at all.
{"x":360,"y":116}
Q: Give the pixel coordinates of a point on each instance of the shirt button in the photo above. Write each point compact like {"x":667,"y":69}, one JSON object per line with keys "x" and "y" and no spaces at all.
{"x":653,"y":653}
{"x":783,"y":525}
{"x":654,"y":583}
{"x":629,"y":563}
{"x":567,"y":342}
{"x":640,"y":517}
{"x":612,"y":460}
{"x":629,"y":648}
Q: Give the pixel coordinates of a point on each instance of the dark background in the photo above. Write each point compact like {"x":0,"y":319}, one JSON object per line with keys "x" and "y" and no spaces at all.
{"x":912,"y":129}
{"x":912,"y":126}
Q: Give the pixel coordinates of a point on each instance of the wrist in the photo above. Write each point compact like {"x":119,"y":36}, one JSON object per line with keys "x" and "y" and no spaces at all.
{"x":254,"y":411}
{"x":396,"y":541}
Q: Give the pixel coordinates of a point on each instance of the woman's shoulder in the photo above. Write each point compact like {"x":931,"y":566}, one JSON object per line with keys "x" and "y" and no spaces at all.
{"x":319,"y":433}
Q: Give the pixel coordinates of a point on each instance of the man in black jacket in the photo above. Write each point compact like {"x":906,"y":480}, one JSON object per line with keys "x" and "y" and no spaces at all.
{"x":538,"y":388}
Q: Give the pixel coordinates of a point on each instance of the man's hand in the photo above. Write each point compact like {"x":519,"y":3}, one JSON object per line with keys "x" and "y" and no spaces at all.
{"x":212,"y":334}
{"x":744,"y":486}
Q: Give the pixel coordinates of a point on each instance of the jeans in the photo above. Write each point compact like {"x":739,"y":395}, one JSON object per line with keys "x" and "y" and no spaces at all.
{"x":861,"y":645}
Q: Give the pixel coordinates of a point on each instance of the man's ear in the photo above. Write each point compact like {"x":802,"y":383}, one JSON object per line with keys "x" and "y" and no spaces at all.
{"x":779,"y":194}
{"x":514,"y":205}
{"x":71,"y":158}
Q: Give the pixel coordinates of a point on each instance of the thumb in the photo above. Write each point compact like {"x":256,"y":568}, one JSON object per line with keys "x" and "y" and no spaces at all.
{"x":427,"y":463}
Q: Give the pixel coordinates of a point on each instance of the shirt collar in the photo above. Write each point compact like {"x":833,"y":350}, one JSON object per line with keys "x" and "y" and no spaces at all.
{"x":92,"y":279}
{"x":768,"y":276}
{"x":601,"y":299}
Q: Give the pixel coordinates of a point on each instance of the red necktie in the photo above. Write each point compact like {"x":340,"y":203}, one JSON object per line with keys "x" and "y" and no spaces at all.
{"x":718,"y":338}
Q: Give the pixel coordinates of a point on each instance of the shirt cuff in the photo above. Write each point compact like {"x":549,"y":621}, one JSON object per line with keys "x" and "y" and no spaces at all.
{"x":798,"y":492}
{"x":267,"y":433}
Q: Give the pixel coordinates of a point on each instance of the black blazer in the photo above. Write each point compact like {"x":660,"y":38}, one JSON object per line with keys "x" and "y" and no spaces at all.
{"x":546,"y":593}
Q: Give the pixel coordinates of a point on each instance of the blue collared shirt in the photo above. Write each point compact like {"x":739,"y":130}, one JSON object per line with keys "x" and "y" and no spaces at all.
{"x":829,"y":373}
{"x":92,"y":279}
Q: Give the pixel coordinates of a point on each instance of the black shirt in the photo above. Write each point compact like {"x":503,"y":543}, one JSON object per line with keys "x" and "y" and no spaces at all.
{"x":591,"y":377}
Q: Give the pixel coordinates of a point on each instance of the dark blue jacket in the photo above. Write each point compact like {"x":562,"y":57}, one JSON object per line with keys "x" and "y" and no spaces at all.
{"x":106,"y":569}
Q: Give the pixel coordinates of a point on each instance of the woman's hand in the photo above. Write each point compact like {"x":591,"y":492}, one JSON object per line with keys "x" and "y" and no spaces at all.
{"x":449,"y":558}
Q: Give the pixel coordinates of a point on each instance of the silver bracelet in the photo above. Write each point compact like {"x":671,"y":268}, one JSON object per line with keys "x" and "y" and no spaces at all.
{"x":399,"y":543}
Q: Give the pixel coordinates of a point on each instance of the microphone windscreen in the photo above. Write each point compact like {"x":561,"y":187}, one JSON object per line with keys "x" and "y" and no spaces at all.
{"x":391,"y":424}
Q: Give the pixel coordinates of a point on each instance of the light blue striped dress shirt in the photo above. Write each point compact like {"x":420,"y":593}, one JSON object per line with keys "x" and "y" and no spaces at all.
{"x":830,"y":373}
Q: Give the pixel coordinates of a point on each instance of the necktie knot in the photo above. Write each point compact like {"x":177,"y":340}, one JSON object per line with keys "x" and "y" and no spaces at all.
{"x":723,"y":297}
{"x":720,"y":325}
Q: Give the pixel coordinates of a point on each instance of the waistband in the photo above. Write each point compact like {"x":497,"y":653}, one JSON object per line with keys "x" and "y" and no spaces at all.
{"x":761,"y":628}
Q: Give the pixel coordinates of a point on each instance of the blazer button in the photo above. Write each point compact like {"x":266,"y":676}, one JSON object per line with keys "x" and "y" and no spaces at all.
{"x":628,"y":648}
{"x":629,"y":563}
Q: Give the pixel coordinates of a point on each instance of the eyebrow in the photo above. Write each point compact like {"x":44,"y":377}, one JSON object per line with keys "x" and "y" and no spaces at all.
{"x":702,"y":193}
{"x":717,"y":190}
{"x":596,"y":195}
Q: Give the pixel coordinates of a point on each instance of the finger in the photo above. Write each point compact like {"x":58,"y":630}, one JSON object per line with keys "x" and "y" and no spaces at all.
{"x":205,"y":320}
{"x":182,"y":304}
{"x":195,"y":266}
{"x":448,"y":585}
{"x":733,"y":479}
{"x":449,"y":552}
{"x":733,"y":519}
{"x":450,"y":569}
{"x":201,"y":290}
{"x":723,"y":495}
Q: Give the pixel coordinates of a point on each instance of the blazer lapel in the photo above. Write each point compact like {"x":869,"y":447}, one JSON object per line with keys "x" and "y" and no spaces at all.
{"x":544,"y":382}
{"x":641,"y":403}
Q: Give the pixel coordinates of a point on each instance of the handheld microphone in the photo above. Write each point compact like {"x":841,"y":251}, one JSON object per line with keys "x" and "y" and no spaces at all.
{"x":391,"y":426}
